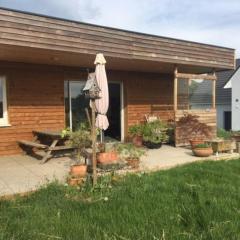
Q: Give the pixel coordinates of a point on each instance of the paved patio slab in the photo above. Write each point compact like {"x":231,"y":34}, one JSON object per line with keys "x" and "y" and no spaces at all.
{"x":168,"y":157}
{"x":20,"y":174}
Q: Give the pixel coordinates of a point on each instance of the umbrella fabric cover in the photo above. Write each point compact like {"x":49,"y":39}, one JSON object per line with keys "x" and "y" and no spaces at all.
{"x":103,"y":102}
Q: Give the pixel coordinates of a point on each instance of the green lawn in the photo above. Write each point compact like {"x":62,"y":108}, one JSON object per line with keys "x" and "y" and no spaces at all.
{"x":196,"y":201}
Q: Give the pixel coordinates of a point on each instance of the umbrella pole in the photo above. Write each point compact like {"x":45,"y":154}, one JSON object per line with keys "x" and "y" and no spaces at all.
{"x":94,"y":160}
{"x":102,"y":136}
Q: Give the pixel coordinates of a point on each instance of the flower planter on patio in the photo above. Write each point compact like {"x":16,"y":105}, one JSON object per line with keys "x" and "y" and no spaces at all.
{"x":223,"y":145}
{"x":236,"y":136}
{"x":107,"y":157}
{"x":202,"y":152}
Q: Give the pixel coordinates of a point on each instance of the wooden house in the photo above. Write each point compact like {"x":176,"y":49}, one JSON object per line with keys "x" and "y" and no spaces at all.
{"x":43,"y":68}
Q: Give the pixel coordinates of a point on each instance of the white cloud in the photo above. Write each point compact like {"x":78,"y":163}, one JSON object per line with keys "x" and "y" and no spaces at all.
{"x":214,"y":22}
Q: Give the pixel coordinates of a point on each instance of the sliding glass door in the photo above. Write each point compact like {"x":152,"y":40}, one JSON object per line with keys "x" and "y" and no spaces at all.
{"x":75,"y":104}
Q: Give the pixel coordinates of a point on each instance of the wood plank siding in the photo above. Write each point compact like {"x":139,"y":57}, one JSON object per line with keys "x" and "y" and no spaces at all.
{"x":145,"y":95}
{"x":38,"y":53}
{"x":182,"y":134}
{"x":35,"y":95}
{"x":40,"y":32}
{"x":35,"y":101}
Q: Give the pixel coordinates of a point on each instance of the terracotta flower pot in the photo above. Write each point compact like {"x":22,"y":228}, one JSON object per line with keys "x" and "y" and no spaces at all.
{"x":195,"y":142}
{"x":133,"y":162}
{"x":78,"y":170}
{"x":137,"y":141}
{"x":203,"y":152}
{"x":73,"y":181}
{"x":107,"y":157}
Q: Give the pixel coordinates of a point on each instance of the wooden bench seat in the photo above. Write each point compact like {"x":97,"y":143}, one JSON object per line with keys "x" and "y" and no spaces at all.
{"x":32,"y":144}
{"x":59,"y":148}
{"x":55,"y":143}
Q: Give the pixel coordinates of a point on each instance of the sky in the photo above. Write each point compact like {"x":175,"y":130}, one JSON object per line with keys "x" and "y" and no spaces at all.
{"x":208,"y":21}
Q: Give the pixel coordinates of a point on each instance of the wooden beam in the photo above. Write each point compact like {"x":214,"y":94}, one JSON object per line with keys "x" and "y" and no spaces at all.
{"x":28,"y":31}
{"x":196,"y":76}
{"x":175,"y":89}
{"x":94,"y":158}
{"x":214,"y":92}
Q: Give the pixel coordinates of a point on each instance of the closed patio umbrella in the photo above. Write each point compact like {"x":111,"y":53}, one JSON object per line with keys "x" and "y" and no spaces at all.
{"x":102,"y":103}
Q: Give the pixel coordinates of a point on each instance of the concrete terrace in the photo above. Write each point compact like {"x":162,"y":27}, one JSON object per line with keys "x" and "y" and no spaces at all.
{"x":21,"y":174}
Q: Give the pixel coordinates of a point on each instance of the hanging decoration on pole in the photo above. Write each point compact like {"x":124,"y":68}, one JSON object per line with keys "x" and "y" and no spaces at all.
{"x":96,"y":89}
{"x":91,"y":91}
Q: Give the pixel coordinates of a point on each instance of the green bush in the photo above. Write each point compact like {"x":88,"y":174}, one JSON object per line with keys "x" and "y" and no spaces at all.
{"x":136,"y":130}
{"x":129,"y":150}
{"x":222,"y":133}
{"x":202,"y":145}
{"x":155,"y":132}
{"x":79,"y":139}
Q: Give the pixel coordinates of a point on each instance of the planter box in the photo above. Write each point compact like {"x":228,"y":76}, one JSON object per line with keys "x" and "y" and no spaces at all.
{"x":223,"y":146}
{"x":236,"y":137}
{"x":238,"y":147}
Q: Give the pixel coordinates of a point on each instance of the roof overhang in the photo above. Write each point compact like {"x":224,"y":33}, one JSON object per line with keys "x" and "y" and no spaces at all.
{"x":30,"y":38}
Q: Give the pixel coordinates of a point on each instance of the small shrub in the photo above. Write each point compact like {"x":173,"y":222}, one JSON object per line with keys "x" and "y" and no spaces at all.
{"x":136,"y":130}
{"x":222,"y":133}
{"x":202,"y":145}
{"x":155,"y":132}
{"x":191,"y":125}
{"x":129,"y":150}
{"x":79,"y":139}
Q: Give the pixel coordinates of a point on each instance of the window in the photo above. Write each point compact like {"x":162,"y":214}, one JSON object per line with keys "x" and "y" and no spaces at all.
{"x":3,"y":102}
{"x":195,"y":94}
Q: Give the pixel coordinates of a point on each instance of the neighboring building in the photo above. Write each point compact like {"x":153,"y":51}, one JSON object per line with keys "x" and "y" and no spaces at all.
{"x":44,"y":63}
{"x":230,"y":90}
{"x":223,"y":99}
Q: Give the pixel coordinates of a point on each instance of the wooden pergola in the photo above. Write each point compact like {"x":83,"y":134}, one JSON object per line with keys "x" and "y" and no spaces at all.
{"x":210,"y":77}
{"x":206,"y":115}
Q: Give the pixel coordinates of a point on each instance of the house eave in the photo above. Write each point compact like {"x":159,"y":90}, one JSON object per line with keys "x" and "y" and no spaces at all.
{"x":35,"y":35}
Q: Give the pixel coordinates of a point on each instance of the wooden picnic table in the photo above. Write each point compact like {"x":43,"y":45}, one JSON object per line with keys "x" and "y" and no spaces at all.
{"x":55,"y":143}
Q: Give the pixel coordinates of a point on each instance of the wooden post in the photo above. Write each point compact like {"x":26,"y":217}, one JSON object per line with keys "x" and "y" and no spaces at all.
{"x":214,"y":92}
{"x":175,"y":102}
{"x":94,"y":160}
{"x":88,"y":117}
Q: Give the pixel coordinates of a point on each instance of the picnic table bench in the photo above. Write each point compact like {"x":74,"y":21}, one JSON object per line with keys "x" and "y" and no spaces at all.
{"x":56,"y":143}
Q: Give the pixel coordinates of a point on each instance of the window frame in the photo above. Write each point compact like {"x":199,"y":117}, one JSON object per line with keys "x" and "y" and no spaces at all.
{"x":4,"y":120}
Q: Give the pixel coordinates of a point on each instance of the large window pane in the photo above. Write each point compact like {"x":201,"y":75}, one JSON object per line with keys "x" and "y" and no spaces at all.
{"x":1,"y":99}
{"x":183,"y":97}
{"x":194,"y":94}
{"x":200,"y":94}
{"x":75,"y":104}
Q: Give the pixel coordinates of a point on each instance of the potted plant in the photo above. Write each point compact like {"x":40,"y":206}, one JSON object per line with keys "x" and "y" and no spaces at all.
{"x":136,"y":132}
{"x":80,"y":140}
{"x":130,"y":153}
{"x":235,"y":135}
{"x":106,"y":155}
{"x":193,"y":129}
{"x":202,"y":150}
{"x":154,"y":133}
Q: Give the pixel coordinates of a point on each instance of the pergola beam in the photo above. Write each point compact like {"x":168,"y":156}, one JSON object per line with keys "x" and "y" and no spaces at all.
{"x":175,"y":87}
{"x":196,"y":76}
{"x":214,"y":91}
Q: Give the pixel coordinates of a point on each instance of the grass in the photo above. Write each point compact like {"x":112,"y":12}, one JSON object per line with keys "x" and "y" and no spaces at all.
{"x":196,"y":201}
